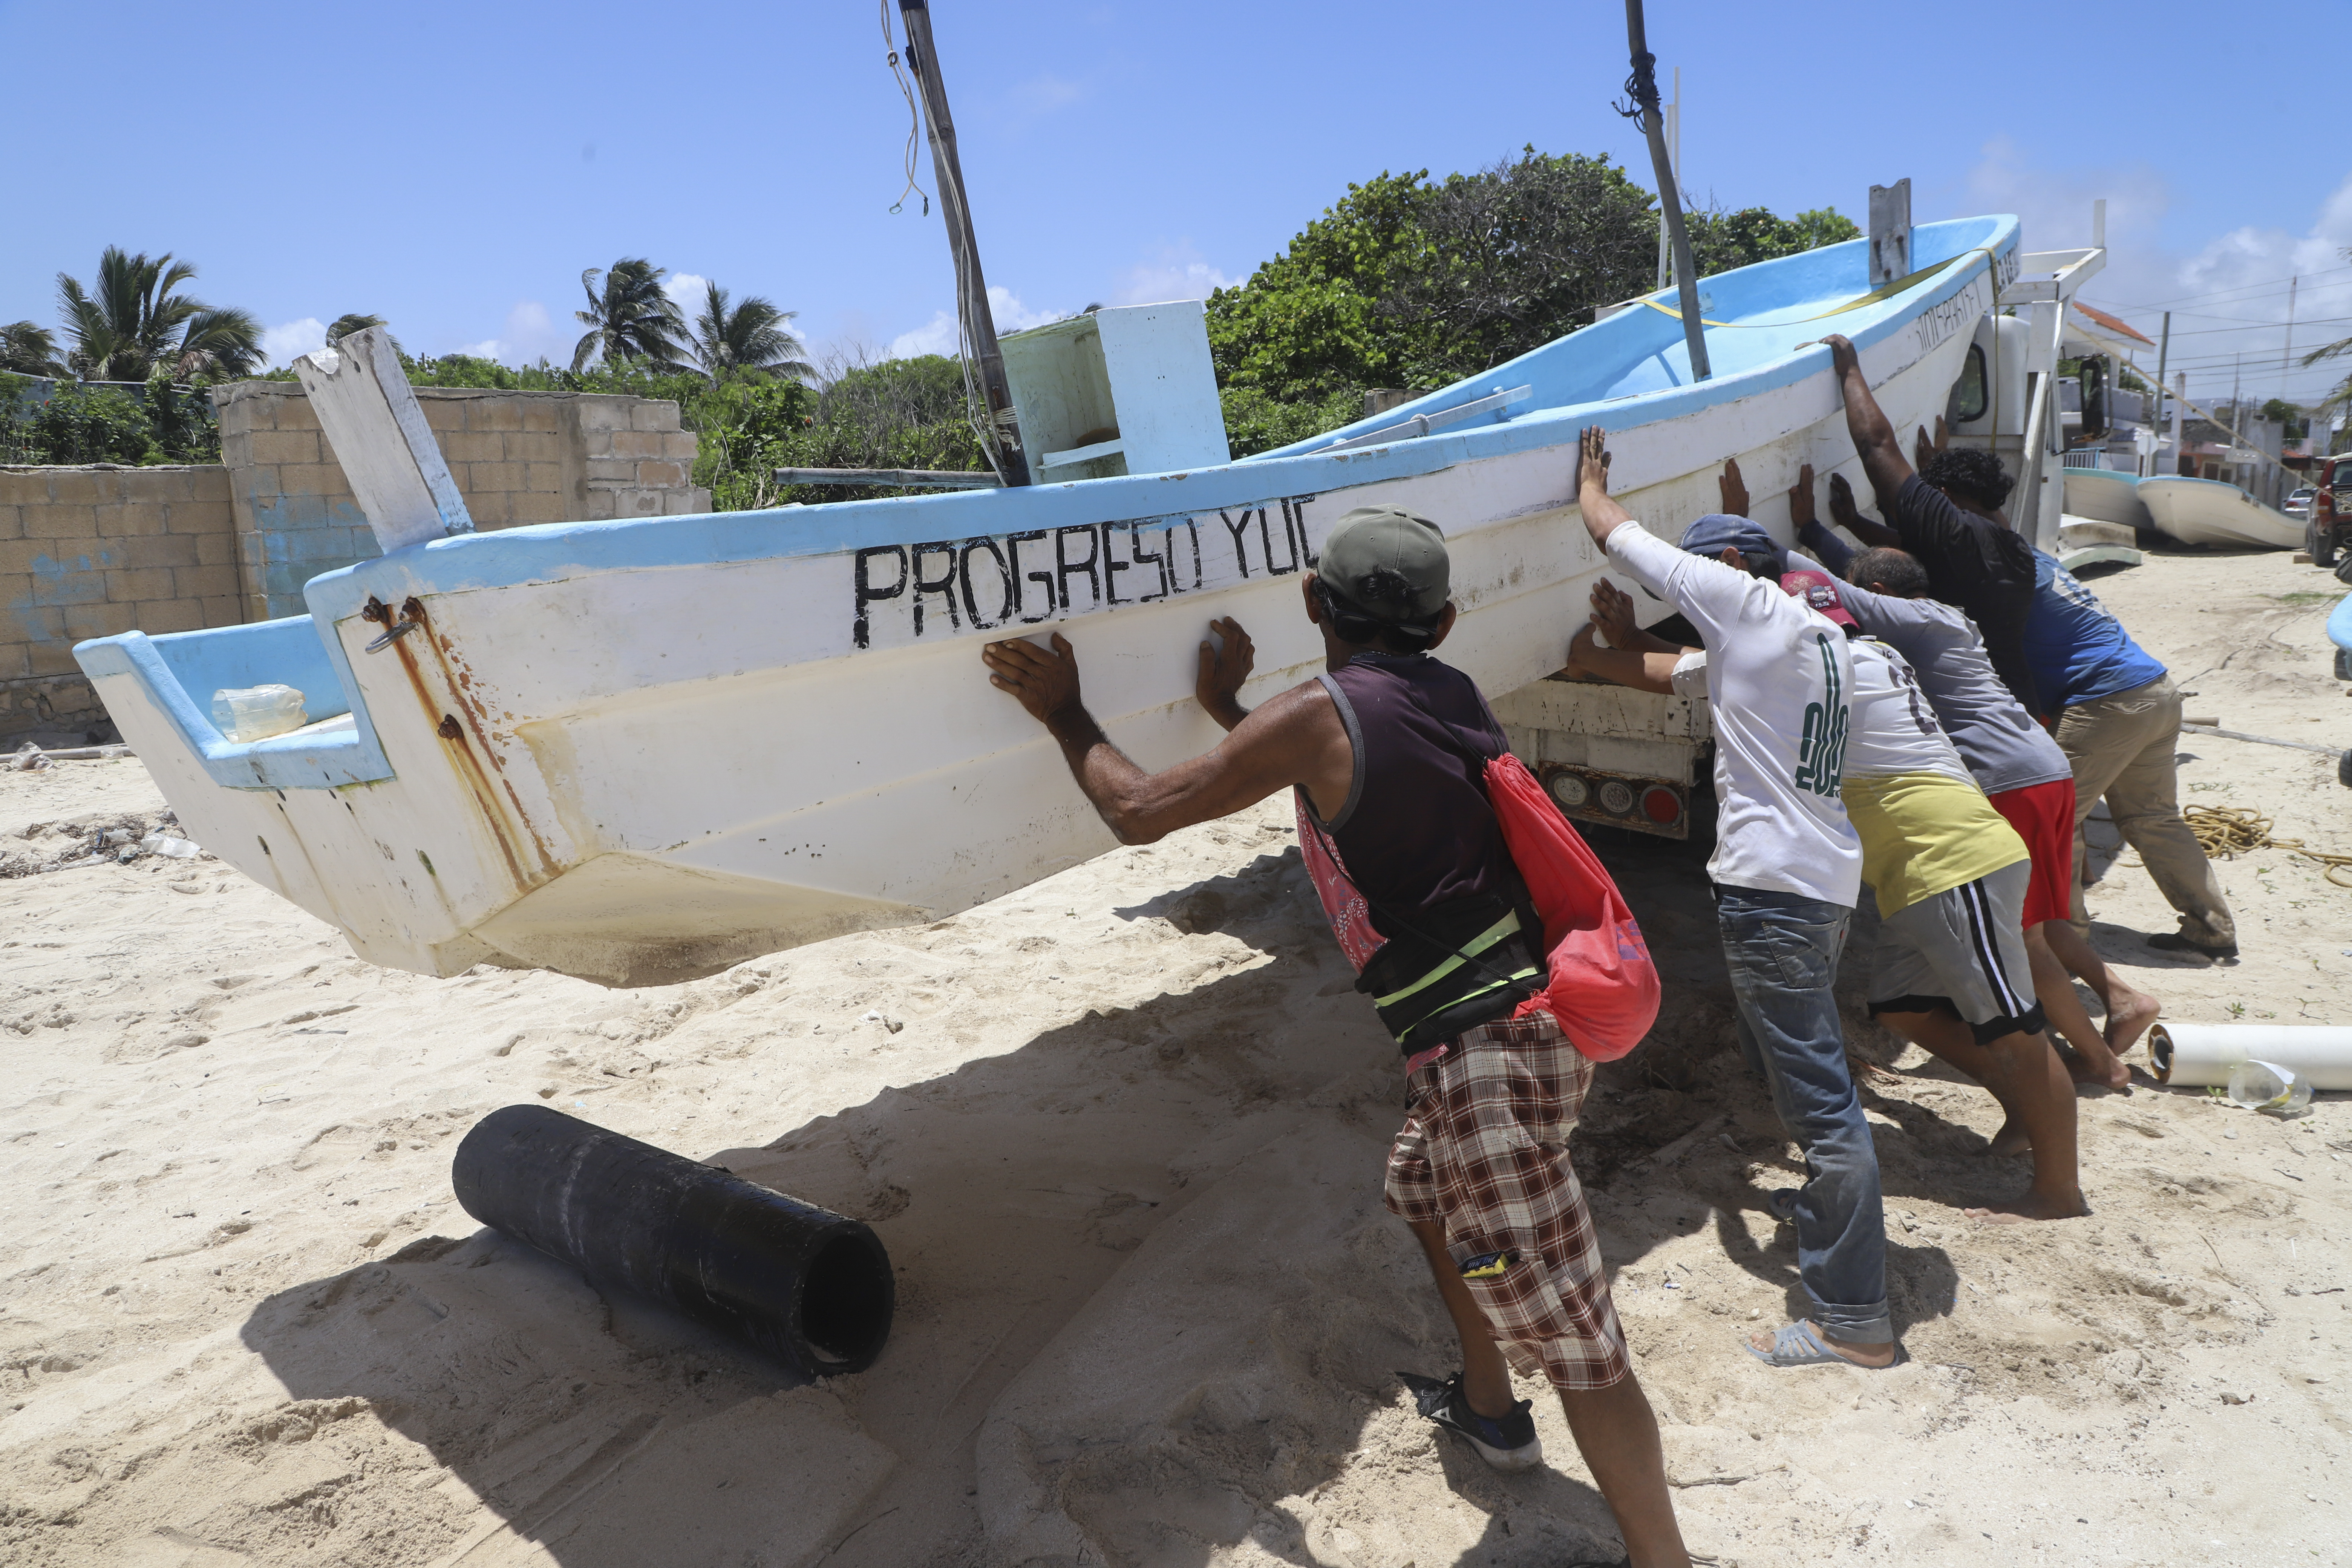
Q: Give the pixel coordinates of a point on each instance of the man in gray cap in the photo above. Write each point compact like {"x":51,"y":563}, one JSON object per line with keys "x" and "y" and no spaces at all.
{"x":1787,"y":869}
{"x":1387,"y":753}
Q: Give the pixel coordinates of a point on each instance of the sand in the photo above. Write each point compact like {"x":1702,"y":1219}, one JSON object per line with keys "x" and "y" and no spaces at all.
{"x":1122,"y":1134}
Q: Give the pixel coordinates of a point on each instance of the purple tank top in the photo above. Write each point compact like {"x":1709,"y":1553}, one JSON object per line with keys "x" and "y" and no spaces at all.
{"x":1417,"y":830}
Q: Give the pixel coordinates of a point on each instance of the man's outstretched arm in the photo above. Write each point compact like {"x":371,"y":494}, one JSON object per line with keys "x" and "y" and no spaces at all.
{"x":1600,"y":511}
{"x":1294,"y":738}
{"x":1874,"y":440}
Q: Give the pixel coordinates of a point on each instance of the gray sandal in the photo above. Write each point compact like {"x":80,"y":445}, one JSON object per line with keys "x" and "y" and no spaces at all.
{"x":1796,"y":1344}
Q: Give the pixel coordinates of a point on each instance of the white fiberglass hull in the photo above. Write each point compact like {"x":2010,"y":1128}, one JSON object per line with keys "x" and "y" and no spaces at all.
{"x":2103,"y":495}
{"x":640,"y":751}
{"x":2206,"y":511}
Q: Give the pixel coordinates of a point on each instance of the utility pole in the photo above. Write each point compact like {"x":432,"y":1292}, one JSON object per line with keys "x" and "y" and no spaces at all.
{"x":984,"y":360}
{"x":2155,"y":414}
{"x":1643,"y":87}
{"x":2180,"y":462}
{"x":1675,"y":158}
{"x":2286,"y":354}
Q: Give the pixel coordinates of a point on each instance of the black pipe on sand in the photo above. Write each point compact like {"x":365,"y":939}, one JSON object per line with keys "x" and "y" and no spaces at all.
{"x":797,"y":1281}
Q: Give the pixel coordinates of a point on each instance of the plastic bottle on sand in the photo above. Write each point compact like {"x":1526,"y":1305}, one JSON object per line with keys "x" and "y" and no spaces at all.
{"x":2265,"y":1085}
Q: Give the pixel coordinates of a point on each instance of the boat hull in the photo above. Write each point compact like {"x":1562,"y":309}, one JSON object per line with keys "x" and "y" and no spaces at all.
{"x":2103,"y":495}
{"x":2206,"y":511}
{"x":641,"y":752}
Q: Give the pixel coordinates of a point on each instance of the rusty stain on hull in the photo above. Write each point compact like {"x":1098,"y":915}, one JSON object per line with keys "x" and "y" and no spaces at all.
{"x":477,"y":780}
{"x":459,"y":681}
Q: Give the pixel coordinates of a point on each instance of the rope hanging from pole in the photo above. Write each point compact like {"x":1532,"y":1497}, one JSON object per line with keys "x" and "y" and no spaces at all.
{"x":914,"y":115}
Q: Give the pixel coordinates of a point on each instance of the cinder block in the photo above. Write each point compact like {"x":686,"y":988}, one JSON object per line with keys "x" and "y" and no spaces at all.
{"x":126,"y":520}
{"x":540,"y":478}
{"x":492,"y":414}
{"x":472,"y":445}
{"x":311,"y":479}
{"x":138,"y":585}
{"x":284,"y":446}
{"x":16,"y":661}
{"x":612,"y":470}
{"x":443,"y":415}
{"x":203,"y":582}
{"x":171,"y":616}
{"x":498,"y":476}
{"x":100,"y":621}
{"x":11,"y":522}
{"x":16,"y":589}
{"x":24,"y":487}
{"x":653,"y":414}
{"x":680,"y":446}
{"x":541,"y":414}
{"x":660,"y":476}
{"x":54,"y":655}
{"x":158,"y":550}
{"x":210,"y":483}
{"x":489,"y":509}
{"x":534,"y":446}
{"x":216,"y":547}
{"x":236,"y":450}
{"x":291,"y":411}
{"x":635,"y":444}
{"x":226,"y":611}
{"x":17,"y":555}
{"x":540,"y":506}
{"x":637,"y":503}
{"x":599,"y":411}
{"x":79,"y":487}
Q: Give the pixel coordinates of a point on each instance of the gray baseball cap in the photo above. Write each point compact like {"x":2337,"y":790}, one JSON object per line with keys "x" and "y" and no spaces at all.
{"x":1389,"y":564}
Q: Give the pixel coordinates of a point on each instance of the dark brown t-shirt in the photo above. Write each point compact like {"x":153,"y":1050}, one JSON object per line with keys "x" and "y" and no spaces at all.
{"x":1417,"y":830}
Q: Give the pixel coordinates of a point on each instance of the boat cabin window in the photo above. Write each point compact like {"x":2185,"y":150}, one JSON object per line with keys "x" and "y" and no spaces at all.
{"x":1969,"y":396}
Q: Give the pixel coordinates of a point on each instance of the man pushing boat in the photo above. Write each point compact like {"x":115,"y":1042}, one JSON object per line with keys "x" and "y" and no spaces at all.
{"x":1393,"y":756}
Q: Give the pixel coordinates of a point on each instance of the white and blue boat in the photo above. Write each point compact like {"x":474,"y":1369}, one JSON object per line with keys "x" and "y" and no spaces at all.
{"x":641,"y":751}
{"x":2208,"y":511}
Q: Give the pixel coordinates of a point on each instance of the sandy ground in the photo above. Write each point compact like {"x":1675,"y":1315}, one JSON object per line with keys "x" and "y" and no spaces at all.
{"x":1122,"y":1134}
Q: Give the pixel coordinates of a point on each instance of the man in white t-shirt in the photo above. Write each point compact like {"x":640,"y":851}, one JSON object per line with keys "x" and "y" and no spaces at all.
{"x":1787,"y":869}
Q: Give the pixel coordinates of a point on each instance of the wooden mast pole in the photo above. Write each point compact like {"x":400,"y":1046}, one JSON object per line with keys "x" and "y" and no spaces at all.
{"x":1644,"y":86}
{"x":987,"y":360}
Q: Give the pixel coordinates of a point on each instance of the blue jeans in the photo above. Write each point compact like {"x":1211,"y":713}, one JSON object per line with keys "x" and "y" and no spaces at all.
{"x":1782,"y":950}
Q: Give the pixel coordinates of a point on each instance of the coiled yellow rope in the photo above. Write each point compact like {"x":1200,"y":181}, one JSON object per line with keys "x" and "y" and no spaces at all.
{"x":2225,"y":831}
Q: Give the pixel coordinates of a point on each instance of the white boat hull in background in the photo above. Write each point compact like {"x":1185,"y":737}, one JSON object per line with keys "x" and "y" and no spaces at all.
{"x":2206,"y":511}
{"x":2103,"y":495}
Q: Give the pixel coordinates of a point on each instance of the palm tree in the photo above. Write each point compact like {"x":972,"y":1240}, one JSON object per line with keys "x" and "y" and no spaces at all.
{"x":136,"y":320}
{"x":350,"y":322}
{"x":754,"y":337}
{"x":29,"y":350}
{"x":629,"y":317}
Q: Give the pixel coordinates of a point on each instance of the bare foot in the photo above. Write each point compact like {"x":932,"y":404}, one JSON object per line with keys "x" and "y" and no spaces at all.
{"x":1851,"y":1350}
{"x":2011,"y":1139}
{"x":2114,"y":1074}
{"x":2032,"y":1205}
{"x":2128,"y":1017}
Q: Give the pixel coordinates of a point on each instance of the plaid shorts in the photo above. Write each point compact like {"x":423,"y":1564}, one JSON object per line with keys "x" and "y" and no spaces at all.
{"x":1483,"y":1152}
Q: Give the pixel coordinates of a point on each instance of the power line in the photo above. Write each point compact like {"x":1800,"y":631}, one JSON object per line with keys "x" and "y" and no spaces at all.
{"x":2235,"y":289}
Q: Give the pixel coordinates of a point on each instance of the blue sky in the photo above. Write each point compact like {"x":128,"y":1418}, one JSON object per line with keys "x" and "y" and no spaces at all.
{"x":454,"y":167}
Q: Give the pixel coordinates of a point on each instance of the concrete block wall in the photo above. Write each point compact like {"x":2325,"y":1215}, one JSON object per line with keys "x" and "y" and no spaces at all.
{"x":518,"y":457}
{"x":90,"y":552}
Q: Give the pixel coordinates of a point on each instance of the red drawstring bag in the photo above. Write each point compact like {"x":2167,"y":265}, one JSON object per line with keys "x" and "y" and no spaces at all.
{"x":1603,"y":989}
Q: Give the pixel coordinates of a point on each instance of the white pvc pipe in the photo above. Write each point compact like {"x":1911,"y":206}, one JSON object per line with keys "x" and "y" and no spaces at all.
{"x":2196,"y":1056}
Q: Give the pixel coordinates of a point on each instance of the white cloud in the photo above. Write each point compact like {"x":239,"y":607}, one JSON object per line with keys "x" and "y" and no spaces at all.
{"x":2228,"y":298}
{"x":939,"y":336}
{"x":689,"y":291}
{"x":285,"y":344}
{"x":1176,"y":273}
{"x":530,"y":336}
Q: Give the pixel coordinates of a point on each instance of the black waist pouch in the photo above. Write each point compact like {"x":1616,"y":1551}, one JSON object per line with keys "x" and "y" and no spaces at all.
{"x":1458,"y":965}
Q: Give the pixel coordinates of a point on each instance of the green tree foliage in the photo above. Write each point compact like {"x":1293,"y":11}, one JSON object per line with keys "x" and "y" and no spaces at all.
{"x":753,"y":337}
{"x":30,"y":349}
{"x":135,"y":319}
{"x":629,"y":317}
{"x":1408,"y":283}
{"x":894,"y":414}
{"x":91,"y":425}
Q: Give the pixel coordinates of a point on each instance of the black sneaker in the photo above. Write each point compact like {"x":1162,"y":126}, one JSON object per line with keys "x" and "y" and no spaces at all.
{"x":1506,"y":1443}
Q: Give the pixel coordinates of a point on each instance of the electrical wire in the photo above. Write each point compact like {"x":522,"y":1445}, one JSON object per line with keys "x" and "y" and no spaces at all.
{"x":2218,"y":293}
{"x":914,"y":115}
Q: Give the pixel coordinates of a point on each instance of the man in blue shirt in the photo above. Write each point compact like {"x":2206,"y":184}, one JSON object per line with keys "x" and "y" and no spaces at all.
{"x":2119,"y":725}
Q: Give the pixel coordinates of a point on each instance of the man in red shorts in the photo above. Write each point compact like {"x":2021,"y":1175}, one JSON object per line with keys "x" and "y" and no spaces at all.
{"x":2024,"y":773}
{"x":1387,"y":752}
